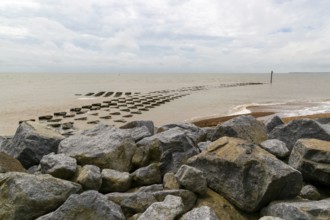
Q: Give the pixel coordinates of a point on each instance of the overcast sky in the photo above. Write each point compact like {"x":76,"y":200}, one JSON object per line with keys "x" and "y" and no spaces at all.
{"x":164,"y":35}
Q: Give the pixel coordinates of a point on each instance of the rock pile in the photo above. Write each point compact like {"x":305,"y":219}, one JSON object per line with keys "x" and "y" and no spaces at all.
{"x":241,"y":169}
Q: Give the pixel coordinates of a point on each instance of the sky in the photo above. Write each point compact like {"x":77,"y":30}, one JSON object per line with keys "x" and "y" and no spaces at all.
{"x":161,"y":36}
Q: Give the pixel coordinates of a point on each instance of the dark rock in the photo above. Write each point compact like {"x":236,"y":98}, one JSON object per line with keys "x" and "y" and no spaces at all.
{"x":299,"y":209}
{"x":192,"y":179}
{"x":244,"y":127}
{"x":137,"y":124}
{"x":310,"y":192}
{"x":170,"y":181}
{"x":312,"y":158}
{"x":86,"y":206}
{"x":45,"y":117}
{"x":26,"y":196}
{"x":90,"y":177}
{"x":31,"y":142}
{"x":103,"y":146}
{"x":203,"y":212}
{"x":301,"y":128}
{"x":275,"y":147}
{"x":323,"y":120}
{"x":58,"y":165}
{"x":59,"y":113}
{"x":245,"y":174}
{"x":147,"y":175}
{"x":115,"y":181}
{"x":273,"y":122}
{"x":10,"y":164}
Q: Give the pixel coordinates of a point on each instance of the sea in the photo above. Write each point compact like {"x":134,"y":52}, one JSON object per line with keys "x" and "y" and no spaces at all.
{"x":25,"y":96}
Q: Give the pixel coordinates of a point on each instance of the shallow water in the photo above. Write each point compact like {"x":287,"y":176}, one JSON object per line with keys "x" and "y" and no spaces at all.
{"x":29,"y":95}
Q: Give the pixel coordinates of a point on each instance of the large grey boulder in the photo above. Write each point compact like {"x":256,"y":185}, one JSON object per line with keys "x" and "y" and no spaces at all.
{"x":203,"y":212}
{"x":170,"y":208}
{"x":137,"y":124}
{"x":26,"y":196}
{"x":192,"y":179}
{"x":273,"y":122}
{"x":147,"y":175}
{"x":299,"y":209}
{"x":300,"y":128}
{"x":86,"y":206}
{"x":90,"y":177}
{"x":175,"y":147}
{"x":58,"y":165}
{"x":312,"y":158}
{"x":139,"y":133}
{"x":115,"y":181}
{"x":245,"y":174}
{"x":31,"y":142}
{"x":275,"y":147}
{"x":103,"y":146}
{"x":244,"y":127}
{"x":10,"y":164}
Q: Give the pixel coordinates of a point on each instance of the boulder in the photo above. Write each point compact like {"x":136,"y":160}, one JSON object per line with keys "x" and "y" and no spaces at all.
{"x":310,"y":192}
{"x":203,"y":212}
{"x":115,"y":181}
{"x":197,"y":134}
{"x":312,"y":158}
{"x":170,"y":181}
{"x":58,"y":165}
{"x":103,"y":146}
{"x":245,"y":174}
{"x":90,"y":177}
{"x":139,"y":133}
{"x":26,"y":196}
{"x":31,"y":142}
{"x":275,"y":147}
{"x":273,"y":122}
{"x":147,"y":175}
{"x":300,"y":128}
{"x":175,"y":147}
{"x":170,"y":208}
{"x":192,"y":179}
{"x":146,"y":154}
{"x":4,"y":140}
{"x":203,"y":145}
{"x":299,"y":209}
{"x":209,"y":131}
{"x":137,"y":124}
{"x":86,"y":206}
{"x":244,"y":127}
{"x":10,"y":164}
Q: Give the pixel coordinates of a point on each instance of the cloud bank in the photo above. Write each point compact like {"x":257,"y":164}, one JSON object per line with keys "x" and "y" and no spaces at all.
{"x":164,"y":36}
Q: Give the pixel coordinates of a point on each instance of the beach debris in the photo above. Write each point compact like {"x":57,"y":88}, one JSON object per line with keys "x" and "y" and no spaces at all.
{"x":45,"y":117}
{"x":90,"y":94}
{"x":83,"y":118}
{"x":99,"y":94}
{"x":120,"y":120}
{"x":75,"y":109}
{"x":59,"y":113}
{"x":93,"y":122}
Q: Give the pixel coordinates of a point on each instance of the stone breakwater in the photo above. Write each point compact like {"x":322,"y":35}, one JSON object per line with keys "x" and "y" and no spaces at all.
{"x":240,"y":169}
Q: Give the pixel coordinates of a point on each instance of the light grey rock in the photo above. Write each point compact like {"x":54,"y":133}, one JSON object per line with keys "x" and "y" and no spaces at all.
{"x":312,"y":158}
{"x":36,"y":169}
{"x":139,"y":133}
{"x":310,"y":192}
{"x":270,"y":218}
{"x":171,"y":207}
{"x":104,"y":146}
{"x":273,"y":122}
{"x":192,"y":179}
{"x":203,"y":145}
{"x":245,"y":174}
{"x":244,"y":127}
{"x":115,"y":181}
{"x":170,"y":181}
{"x":86,"y":206}
{"x":203,"y":212}
{"x":175,"y":148}
{"x":151,"y":188}
{"x":10,"y":164}
{"x":26,"y":196}
{"x":302,"y":210}
{"x":4,"y":140}
{"x":58,"y":165}
{"x":90,"y":177}
{"x":276,"y":147}
{"x":31,"y":142}
{"x":137,"y":124}
{"x":147,"y":175}
{"x":297,"y":129}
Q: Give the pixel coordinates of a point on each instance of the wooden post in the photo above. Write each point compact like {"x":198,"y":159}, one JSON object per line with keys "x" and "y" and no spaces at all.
{"x":271,"y":77}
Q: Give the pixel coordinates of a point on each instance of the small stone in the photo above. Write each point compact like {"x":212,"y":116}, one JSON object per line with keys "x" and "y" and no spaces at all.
{"x":90,"y":177}
{"x":58,"y":165}
{"x":310,"y":192}
{"x":115,"y":181}
{"x":275,"y":147}
{"x":170,"y":181}
{"x":147,"y":175}
{"x":192,"y":179}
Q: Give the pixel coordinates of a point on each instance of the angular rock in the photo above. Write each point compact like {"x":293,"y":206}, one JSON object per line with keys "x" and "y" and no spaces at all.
{"x":104,"y":146}
{"x":203,"y":145}
{"x":275,"y":147}
{"x":175,"y":147}
{"x":58,"y":165}
{"x":192,"y":179}
{"x":139,"y":133}
{"x":26,"y":196}
{"x":310,"y":192}
{"x":209,"y":131}
{"x":170,"y":181}
{"x":151,"y":188}
{"x":10,"y":164}
{"x":86,"y":206}
{"x":299,"y":209}
{"x":90,"y":177}
{"x":273,"y":122}
{"x":171,"y":207}
{"x":147,"y":175}
{"x":244,"y":127}
{"x":136,"y":124}
{"x":245,"y":174}
{"x":4,"y":140}
{"x":312,"y":158}
{"x":203,"y":212}
{"x":300,"y":128}
{"x":31,"y":142}
{"x":115,"y":181}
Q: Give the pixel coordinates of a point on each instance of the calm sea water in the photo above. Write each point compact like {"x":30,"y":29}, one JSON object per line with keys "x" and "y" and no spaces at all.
{"x":28,"y":95}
